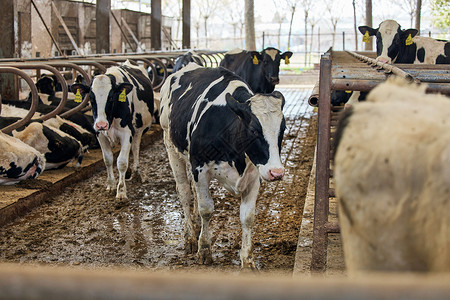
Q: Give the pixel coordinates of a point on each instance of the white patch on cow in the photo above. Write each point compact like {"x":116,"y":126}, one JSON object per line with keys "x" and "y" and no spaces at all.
{"x":388,"y":29}
{"x":268,"y":111}
{"x":272,"y":53}
{"x":101,"y":87}
{"x":432,"y":47}
{"x":234,"y":51}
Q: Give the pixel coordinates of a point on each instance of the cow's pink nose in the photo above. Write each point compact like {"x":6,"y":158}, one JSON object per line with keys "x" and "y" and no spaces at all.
{"x":276,"y":174}
{"x":101,"y":125}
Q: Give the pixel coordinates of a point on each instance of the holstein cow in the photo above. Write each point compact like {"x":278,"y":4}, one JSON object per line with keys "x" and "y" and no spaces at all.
{"x":259,"y":69}
{"x":122,"y":106}
{"x":403,"y":46}
{"x":183,"y":60}
{"x":216,"y":127}
{"x":87,"y":139}
{"x":58,"y":148}
{"x":391,"y":174}
{"x":18,"y":161}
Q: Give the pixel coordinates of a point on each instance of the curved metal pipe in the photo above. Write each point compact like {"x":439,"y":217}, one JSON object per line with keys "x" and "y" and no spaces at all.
{"x":59,"y":77}
{"x":34,"y":98}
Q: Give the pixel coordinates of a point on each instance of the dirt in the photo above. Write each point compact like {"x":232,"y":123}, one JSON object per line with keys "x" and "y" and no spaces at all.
{"x":85,"y":226}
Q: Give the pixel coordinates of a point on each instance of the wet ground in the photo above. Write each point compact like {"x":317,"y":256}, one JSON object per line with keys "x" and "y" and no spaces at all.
{"x":88,"y":227}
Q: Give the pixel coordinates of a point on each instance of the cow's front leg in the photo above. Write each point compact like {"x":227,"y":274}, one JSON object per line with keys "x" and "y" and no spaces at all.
{"x":247,"y":216}
{"x":122,"y":165}
{"x":108,"y":159}
{"x":205,"y":209}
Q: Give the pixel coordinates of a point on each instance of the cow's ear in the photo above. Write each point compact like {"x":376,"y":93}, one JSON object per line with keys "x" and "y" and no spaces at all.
{"x":287,"y":54}
{"x":128,"y":87}
{"x":405,"y":33}
{"x":239,"y":108}
{"x":369,"y":30}
{"x":255,"y":57}
{"x":280,"y":96}
{"x":84,"y":89}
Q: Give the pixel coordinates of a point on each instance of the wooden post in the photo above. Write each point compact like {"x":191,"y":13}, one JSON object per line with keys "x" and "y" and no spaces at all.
{"x":155,"y":25}
{"x":7,"y":47}
{"x":186,"y":44}
{"x":102,"y":26}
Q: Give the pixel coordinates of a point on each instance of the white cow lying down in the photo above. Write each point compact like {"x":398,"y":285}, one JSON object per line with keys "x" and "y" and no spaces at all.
{"x":392,"y":175}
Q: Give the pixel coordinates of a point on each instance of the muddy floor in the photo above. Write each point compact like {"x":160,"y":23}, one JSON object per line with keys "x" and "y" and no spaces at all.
{"x":85,"y":226}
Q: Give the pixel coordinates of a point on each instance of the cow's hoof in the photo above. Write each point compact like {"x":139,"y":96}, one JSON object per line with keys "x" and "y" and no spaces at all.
{"x":191,"y":246}
{"x":121,"y":196}
{"x":205,"y":256}
{"x":248,"y":265}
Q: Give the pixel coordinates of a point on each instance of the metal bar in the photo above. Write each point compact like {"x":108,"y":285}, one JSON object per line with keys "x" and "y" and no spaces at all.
{"x":367,"y":85}
{"x":48,"y":30}
{"x":155,"y":24}
{"x":321,"y":202}
{"x":34,"y":98}
{"x":186,"y":12}
{"x":61,"y":20}
{"x":390,"y":68}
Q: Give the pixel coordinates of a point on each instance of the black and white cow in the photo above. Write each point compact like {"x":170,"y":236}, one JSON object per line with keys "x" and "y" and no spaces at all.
{"x":215,"y":126}
{"x":18,"y":161}
{"x":403,"y":46}
{"x":259,"y":69}
{"x":183,"y":60}
{"x":122,"y":106}
{"x":58,"y":148}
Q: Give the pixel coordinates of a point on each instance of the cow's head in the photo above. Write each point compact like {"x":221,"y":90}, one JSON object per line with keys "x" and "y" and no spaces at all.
{"x":104,"y":95}
{"x":264,"y":124}
{"x":390,"y":39}
{"x":270,"y":59}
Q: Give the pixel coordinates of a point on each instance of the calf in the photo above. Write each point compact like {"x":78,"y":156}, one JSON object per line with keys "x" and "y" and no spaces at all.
{"x":18,"y":161}
{"x":216,"y":127}
{"x":391,"y":178}
{"x":122,"y":106}
{"x":403,"y":46}
{"x":259,"y":69}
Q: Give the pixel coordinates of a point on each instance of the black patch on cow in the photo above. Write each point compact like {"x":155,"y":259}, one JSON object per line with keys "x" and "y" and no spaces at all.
{"x":421,"y":54}
{"x":86,"y":139}
{"x":62,"y":148}
{"x":444,"y":58}
{"x":139,"y":122}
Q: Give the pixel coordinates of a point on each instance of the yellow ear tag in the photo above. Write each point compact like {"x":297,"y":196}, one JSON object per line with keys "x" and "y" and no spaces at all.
{"x":348,"y":92}
{"x":409,"y":40}
{"x":286,"y":60}
{"x":78,"y":97}
{"x":366,"y":37}
{"x":255,"y":60}
{"x":161,"y":71}
{"x":123,"y":96}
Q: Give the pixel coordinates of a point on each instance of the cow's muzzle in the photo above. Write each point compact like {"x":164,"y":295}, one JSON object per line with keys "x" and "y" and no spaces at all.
{"x":275,"y":174}
{"x":100,"y":126}
{"x":275,"y":80}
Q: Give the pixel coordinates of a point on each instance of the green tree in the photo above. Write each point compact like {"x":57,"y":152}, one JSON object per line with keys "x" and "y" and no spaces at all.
{"x":440,"y":11}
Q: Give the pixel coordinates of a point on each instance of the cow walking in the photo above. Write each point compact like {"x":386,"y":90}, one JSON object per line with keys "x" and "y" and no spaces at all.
{"x":122,"y":106}
{"x":215,"y":127}
{"x":259,"y":69}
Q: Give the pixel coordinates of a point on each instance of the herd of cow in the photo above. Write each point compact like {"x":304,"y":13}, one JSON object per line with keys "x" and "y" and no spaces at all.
{"x":227,"y":123}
